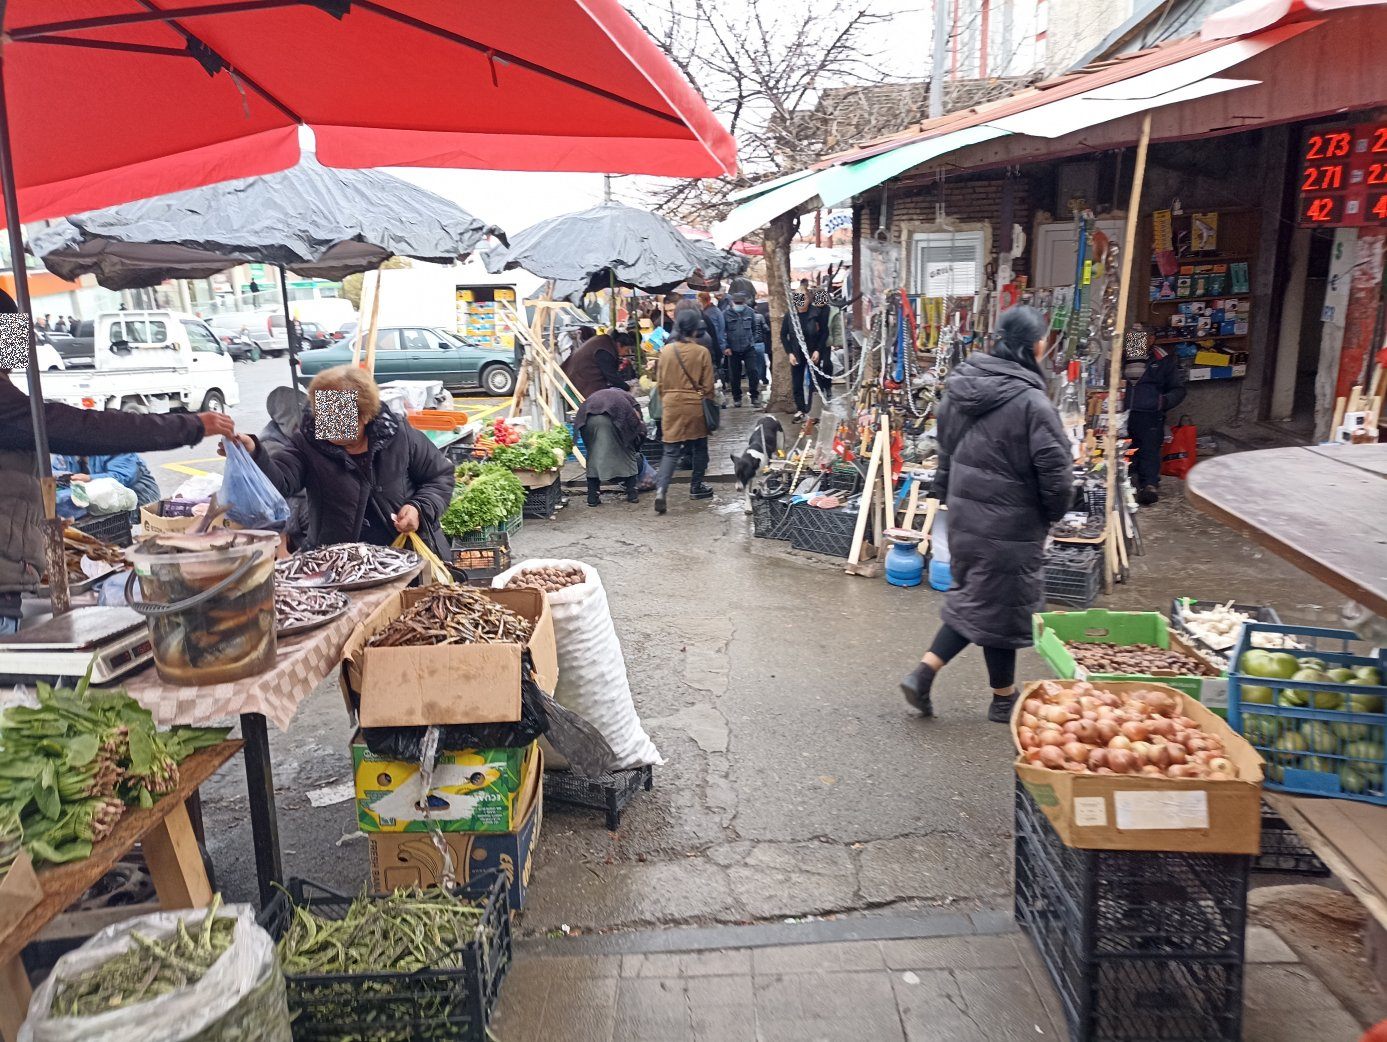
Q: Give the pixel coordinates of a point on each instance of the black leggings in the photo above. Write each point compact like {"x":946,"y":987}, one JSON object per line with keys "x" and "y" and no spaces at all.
{"x":1001,"y":662}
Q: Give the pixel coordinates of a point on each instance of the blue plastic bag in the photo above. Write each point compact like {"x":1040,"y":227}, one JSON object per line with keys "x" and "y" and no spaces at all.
{"x":251,"y":501}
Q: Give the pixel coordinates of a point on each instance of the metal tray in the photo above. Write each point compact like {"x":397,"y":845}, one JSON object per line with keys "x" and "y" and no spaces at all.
{"x":359,"y":584}
{"x":304,"y":627}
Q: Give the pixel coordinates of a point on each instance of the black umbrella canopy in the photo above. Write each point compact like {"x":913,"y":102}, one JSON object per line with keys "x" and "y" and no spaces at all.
{"x":585,"y":252}
{"x":319,"y":222}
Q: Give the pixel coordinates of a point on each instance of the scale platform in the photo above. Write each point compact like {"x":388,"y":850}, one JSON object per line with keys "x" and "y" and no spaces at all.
{"x":112,"y":641}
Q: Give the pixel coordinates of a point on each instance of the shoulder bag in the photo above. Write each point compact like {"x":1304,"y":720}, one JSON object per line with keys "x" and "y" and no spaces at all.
{"x":712,"y":412}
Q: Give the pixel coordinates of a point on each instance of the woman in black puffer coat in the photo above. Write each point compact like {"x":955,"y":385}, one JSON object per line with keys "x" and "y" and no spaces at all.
{"x":1006,"y":474}
{"x":368,"y":483}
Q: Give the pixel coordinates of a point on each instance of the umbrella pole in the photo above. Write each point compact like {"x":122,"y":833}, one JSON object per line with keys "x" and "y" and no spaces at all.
{"x":289,"y":330}
{"x":52,"y":523}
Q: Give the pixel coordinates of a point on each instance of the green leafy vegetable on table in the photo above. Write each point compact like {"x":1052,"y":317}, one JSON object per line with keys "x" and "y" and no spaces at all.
{"x":537,"y":450}
{"x":492,"y":496}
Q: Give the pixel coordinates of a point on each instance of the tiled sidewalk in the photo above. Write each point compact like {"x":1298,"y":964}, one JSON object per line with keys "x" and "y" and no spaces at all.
{"x":975,"y":988}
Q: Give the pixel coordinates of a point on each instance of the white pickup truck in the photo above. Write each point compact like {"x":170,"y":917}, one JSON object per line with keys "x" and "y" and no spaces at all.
{"x":149,"y":361}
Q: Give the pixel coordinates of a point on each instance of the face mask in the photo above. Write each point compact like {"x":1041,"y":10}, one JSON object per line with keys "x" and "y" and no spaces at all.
{"x":738,"y":307}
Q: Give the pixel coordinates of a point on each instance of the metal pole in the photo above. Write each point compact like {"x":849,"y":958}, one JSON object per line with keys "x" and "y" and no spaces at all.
{"x":936,"y":72}
{"x":52,"y":523}
{"x":289,"y":331}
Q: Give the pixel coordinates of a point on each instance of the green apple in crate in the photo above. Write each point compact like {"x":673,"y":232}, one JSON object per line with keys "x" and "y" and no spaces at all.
{"x":1320,"y":737}
{"x":1365,"y":703}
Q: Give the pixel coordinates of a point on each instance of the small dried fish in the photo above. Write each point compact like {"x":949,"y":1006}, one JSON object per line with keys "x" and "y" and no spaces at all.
{"x":454,"y":615}
{"x":305,"y":605}
{"x":344,"y":564}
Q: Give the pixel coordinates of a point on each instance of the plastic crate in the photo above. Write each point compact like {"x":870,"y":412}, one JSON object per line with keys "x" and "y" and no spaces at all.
{"x":610,"y":792}
{"x":437,"y":1005}
{"x":1283,"y":850}
{"x":542,"y":502}
{"x":1179,"y":605}
{"x":654,"y":452}
{"x":1139,"y":945}
{"x":478,"y":565}
{"x":770,"y":517}
{"x":489,"y":536}
{"x":1072,"y":576}
{"x":1096,"y":498}
{"x":844,"y":477}
{"x":1312,"y":738}
{"x":823,"y":531}
{"x":109,"y":528}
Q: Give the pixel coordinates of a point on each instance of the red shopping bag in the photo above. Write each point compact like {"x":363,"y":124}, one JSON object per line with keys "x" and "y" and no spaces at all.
{"x":1178,"y":451}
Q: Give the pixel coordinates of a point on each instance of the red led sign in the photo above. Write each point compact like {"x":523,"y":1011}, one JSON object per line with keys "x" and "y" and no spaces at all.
{"x":1343,"y":176}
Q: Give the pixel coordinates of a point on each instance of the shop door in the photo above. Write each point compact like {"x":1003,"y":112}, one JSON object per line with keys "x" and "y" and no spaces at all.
{"x":1056,"y":251}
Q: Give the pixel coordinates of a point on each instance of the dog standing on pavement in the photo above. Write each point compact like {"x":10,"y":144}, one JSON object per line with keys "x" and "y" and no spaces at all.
{"x":761,"y":448}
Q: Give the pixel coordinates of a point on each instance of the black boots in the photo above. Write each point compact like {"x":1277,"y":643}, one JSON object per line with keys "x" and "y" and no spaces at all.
{"x":999,"y":712}
{"x":1148,"y":496}
{"x":916,"y":687}
{"x":700,"y":491}
{"x":594,"y":492}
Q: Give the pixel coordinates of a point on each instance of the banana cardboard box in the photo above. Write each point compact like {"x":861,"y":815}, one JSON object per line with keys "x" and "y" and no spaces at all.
{"x":474,"y":790}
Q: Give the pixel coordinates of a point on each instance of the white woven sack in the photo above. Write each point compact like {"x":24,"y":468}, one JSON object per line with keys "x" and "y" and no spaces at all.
{"x":592,"y":670}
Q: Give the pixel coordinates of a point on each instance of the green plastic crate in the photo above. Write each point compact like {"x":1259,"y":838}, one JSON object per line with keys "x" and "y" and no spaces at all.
{"x":1052,"y":629}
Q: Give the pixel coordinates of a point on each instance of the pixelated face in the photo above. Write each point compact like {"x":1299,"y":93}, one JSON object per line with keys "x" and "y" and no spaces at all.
{"x":14,"y":341}
{"x":336,"y":416}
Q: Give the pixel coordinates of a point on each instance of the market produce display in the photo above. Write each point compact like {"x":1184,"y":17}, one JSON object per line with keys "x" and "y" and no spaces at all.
{"x":454,"y":615}
{"x":1282,"y":665}
{"x":537,"y":450}
{"x":148,"y":969}
{"x":1133,"y":658}
{"x":547,"y":579}
{"x":496,"y":434}
{"x":1219,"y":627}
{"x":77,"y":545}
{"x":346,"y":565}
{"x":402,"y":932}
{"x":11,"y":839}
{"x":70,"y":766}
{"x":299,"y":608}
{"x":1080,"y":728}
{"x":486,"y":495}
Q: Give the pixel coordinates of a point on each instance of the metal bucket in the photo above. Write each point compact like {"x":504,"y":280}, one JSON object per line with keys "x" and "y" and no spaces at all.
{"x":209,"y":600}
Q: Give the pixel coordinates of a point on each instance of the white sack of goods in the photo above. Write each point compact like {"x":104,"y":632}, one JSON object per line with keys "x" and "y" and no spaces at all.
{"x":592,"y":670}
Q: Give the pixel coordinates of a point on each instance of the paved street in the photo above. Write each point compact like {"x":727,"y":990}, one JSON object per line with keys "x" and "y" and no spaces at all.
{"x":256,"y":380}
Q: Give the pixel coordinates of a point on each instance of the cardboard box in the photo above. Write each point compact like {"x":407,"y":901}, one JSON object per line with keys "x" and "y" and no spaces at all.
{"x":153,"y":521}
{"x":474,"y":790}
{"x":410,"y":859}
{"x":445,"y":683}
{"x":1129,"y":812}
{"x":20,"y":893}
{"x":1096,"y":626}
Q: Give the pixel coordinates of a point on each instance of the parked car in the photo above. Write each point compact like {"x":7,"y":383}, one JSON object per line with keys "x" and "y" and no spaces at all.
{"x":314,"y":334}
{"x":77,"y":347}
{"x":345,"y":331}
{"x":232,"y":331}
{"x":424,"y":353}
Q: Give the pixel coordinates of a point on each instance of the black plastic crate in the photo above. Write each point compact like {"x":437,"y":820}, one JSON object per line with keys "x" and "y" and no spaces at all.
{"x":1283,"y":850}
{"x":542,"y":502}
{"x":770,"y":517}
{"x":823,"y":531}
{"x":844,"y":477}
{"x":109,"y":528}
{"x":478,"y":565}
{"x":654,"y":451}
{"x":610,"y":792}
{"x":1139,"y":945}
{"x":442,"y":1005}
{"x":1072,"y":575}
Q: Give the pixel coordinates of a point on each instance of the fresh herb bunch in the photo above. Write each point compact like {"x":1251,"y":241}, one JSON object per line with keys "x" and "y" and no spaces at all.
{"x":69,"y":767}
{"x":537,"y":450}
{"x":493,"y":496}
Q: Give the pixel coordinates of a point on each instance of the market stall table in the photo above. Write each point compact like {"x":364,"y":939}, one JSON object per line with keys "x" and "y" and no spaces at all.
{"x":171,"y":853}
{"x":1348,"y":836}
{"x":301,"y":664}
{"x":1321,"y":507}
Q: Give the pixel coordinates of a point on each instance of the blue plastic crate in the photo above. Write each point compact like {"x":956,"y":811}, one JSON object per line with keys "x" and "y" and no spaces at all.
{"x":1314,"y":742}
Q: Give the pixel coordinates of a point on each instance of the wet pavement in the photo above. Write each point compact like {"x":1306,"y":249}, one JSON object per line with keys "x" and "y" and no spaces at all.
{"x":797,"y":782}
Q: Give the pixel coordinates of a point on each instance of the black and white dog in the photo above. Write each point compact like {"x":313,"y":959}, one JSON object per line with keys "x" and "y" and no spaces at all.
{"x":761,"y":448}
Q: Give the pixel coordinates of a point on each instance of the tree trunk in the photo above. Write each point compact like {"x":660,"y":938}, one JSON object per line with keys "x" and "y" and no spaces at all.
{"x":777,"y":248}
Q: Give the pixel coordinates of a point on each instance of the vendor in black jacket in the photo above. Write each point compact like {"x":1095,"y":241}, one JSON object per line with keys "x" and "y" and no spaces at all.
{"x":1155,"y":385}
{"x":366,"y":483}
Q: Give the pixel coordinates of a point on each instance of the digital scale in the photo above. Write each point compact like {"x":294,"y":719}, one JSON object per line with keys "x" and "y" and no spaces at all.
{"x":112,"y":641}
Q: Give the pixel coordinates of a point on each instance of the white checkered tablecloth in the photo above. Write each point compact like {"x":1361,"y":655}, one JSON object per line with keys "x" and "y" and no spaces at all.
{"x":301,"y":664}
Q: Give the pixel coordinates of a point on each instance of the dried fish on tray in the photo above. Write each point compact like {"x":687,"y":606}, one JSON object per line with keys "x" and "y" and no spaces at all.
{"x":454,"y":615}
{"x":302,"y":608}
{"x":78,"y":545}
{"x":347,"y":566}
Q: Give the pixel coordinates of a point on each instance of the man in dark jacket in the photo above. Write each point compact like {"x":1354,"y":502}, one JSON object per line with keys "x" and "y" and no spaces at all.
{"x":385,"y":479}
{"x":1006,"y":474}
{"x":76,"y":432}
{"x":740,"y":350}
{"x":597,"y":363}
{"x":1152,"y":390}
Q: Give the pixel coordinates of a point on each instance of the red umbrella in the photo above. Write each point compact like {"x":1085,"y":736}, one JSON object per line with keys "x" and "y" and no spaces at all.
{"x":105,"y":101}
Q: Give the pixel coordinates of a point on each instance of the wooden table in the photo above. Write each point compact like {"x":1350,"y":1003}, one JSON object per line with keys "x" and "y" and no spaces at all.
{"x":1349,"y":836}
{"x":1322,"y":507}
{"x":170,"y":851}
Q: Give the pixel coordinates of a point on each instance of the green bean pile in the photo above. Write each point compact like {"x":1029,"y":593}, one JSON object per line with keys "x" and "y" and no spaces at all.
{"x":404,"y":932}
{"x":148,"y":969}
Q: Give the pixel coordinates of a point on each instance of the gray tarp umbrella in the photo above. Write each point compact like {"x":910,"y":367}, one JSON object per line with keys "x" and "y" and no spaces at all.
{"x":318,"y":221}
{"x":612,"y":243}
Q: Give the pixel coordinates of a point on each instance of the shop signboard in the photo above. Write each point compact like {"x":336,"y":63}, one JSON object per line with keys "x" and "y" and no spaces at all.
{"x":1343,"y":176}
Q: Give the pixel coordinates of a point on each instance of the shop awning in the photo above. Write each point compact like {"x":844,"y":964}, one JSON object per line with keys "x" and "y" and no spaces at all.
{"x":1253,"y":16}
{"x":1169,"y":75}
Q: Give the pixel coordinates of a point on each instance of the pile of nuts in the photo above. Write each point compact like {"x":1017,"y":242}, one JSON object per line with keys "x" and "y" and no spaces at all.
{"x":1133,"y":658}
{"x":547,"y":580}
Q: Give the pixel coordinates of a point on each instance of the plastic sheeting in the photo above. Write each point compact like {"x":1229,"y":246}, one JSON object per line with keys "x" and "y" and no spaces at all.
{"x":583,"y":252}
{"x":316,"y":221}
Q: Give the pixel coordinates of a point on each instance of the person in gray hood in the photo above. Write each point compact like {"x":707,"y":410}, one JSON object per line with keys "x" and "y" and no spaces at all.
{"x":1006,"y":474}
{"x":286,"y":406}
